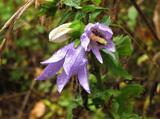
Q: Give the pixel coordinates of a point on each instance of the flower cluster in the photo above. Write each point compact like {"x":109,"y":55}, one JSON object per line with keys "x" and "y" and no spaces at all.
{"x":73,"y":61}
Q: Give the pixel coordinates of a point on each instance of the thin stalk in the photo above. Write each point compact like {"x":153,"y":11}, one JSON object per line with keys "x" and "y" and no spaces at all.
{"x":145,"y":19}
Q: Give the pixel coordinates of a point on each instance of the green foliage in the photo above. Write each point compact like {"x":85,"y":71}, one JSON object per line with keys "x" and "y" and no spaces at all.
{"x":77,"y":29}
{"x":106,"y":20}
{"x":93,"y":16}
{"x":123,"y":45}
{"x":122,"y":104}
{"x":49,"y":8}
{"x":30,"y":46}
{"x":132,"y":16}
{"x":73,"y":3}
{"x":126,"y":96}
{"x":91,"y":8}
{"x":113,"y":65}
{"x":97,"y":2}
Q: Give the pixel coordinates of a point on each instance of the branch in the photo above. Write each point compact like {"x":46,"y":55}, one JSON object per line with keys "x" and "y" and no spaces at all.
{"x":145,"y":19}
{"x":17,"y":15}
{"x":26,"y":99}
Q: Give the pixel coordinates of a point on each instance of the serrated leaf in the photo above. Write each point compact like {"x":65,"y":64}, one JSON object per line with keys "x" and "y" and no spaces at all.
{"x":73,"y":3}
{"x":128,"y":93}
{"x":93,"y":16}
{"x":123,"y":45}
{"x":114,"y":66}
{"x":132,"y":90}
{"x":106,"y":20}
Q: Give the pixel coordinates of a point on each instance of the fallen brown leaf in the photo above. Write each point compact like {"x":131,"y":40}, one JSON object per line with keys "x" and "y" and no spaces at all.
{"x":156,"y":18}
{"x":38,"y":110}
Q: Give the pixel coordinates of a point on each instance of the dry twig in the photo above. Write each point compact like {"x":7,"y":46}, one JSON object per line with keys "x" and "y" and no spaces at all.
{"x":17,"y":15}
{"x":26,"y":100}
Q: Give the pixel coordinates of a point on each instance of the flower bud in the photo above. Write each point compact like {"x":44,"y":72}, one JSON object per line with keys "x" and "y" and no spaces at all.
{"x":60,"y":33}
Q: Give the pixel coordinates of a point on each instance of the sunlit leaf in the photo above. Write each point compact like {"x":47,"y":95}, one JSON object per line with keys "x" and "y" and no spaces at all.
{"x":72,"y":3}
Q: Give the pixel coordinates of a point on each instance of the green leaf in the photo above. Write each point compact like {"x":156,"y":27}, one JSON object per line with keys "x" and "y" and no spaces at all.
{"x":113,"y":65}
{"x":106,"y":20}
{"x":79,"y":15}
{"x":93,"y":16}
{"x":130,"y":116}
{"x":65,"y":17}
{"x":73,"y":3}
{"x":126,"y":97}
{"x":131,"y":91}
{"x":142,"y":59}
{"x":91,"y":8}
{"x":114,"y":110}
{"x":123,"y":45}
{"x":99,"y":97}
{"x":132,"y":16}
{"x":49,"y":8}
{"x":97,"y":2}
{"x":77,"y":28}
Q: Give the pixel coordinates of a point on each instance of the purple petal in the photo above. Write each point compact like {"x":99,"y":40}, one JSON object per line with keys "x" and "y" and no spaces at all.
{"x":96,"y":52}
{"x":69,"y":61}
{"x":85,"y":41}
{"x":110,"y":46}
{"x":62,"y":81}
{"x":104,"y":30}
{"x":83,"y":78}
{"x":88,"y":28}
{"x":59,"y":55}
{"x":50,"y":70}
{"x":73,"y":58}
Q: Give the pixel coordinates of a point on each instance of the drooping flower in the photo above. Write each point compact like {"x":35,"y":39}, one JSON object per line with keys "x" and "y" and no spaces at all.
{"x":72,"y":61}
{"x":60,"y":33}
{"x":55,"y":62}
{"x":95,"y":37}
{"x":75,"y":64}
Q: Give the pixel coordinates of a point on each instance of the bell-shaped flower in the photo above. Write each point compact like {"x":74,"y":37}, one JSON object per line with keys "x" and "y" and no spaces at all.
{"x":55,"y":62}
{"x":95,"y":37}
{"x":60,"y":33}
{"x":75,"y":64}
{"x":72,"y":61}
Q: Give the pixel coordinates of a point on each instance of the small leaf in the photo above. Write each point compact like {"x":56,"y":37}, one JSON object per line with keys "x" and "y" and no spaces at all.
{"x":97,"y":2}
{"x":132,"y":16}
{"x":114,"y":66}
{"x":93,"y":16}
{"x":128,"y":93}
{"x":91,"y":8}
{"x":142,"y":59}
{"x":123,"y":45}
{"x":132,"y":90}
{"x":106,"y":20}
{"x":65,"y":17}
{"x":73,"y":3}
{"x":79,"y":15}
{"x":130,"y":116}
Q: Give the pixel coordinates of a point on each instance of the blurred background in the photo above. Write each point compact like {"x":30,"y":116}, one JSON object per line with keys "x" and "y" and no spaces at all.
{"x":27,"y":45}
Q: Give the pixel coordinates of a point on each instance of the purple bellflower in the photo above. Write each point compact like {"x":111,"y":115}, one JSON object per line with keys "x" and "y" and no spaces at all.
{"x":72,"y":61}
{"x":95,"y":37}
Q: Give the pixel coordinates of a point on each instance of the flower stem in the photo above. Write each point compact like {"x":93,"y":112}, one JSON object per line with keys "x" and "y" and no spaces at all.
{"x":96,"y":72}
